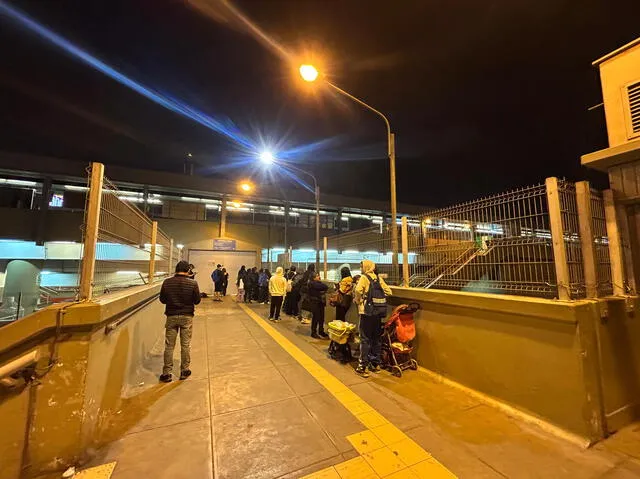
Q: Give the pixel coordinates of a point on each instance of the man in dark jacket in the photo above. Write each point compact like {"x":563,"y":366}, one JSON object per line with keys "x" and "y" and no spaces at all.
{"x":180,"y":294}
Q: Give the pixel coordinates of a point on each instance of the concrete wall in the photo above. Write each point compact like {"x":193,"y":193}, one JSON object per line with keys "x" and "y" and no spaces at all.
{"x":575,"y":365}
{"x":616,"y":73}
{"x":67,"y":410}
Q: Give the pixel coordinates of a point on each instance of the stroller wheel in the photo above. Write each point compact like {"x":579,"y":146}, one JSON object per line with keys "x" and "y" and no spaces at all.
{"x":414,"y":364}
{"x":396,"y":371}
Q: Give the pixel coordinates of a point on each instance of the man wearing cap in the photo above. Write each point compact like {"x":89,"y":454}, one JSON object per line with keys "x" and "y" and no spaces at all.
{"x":180,"y":294}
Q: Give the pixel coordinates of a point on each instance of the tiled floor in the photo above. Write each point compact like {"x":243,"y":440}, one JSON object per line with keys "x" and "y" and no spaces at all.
{"x":266,"y":402}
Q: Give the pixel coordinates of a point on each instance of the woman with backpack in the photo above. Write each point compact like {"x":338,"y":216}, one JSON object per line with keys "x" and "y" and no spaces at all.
{"x":345,"y":293}
{"x":371,"y":297}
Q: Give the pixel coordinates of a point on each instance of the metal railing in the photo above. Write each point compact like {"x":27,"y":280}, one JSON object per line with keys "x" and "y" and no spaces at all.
{"x":124,"y":245}
{"x":524,"y":242}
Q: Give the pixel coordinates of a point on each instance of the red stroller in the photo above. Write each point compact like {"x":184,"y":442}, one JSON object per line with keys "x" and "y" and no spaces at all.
{"x":398,"y":333}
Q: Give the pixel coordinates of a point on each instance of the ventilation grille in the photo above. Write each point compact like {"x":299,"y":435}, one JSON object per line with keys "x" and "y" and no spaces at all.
{"x":634,"y":106}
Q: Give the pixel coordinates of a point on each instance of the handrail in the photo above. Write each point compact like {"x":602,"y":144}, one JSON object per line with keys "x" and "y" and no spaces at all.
{"x":126,"y":314}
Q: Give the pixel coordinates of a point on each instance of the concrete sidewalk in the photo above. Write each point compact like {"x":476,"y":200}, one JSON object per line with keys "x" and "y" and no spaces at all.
{"x":264,"y":401}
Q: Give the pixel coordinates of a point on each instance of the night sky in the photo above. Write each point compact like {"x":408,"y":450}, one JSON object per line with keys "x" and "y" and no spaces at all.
{"x":483,"y":96}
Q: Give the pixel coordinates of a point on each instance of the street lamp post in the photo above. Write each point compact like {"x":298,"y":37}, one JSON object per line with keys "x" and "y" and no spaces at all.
{"x":268,"y":159}
{"x":309,"y":73}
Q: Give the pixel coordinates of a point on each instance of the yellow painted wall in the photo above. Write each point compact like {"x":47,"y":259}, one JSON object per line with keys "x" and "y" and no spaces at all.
{"x":615,"y":74}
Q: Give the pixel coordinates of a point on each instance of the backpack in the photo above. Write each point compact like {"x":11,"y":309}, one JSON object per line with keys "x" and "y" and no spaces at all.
{"x":376,"y":302}
{"x":296,"y":284}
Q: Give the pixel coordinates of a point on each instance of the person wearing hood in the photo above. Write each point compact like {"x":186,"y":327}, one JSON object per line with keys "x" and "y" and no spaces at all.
{"x":345,"y":293}
{"x":370,"y":296}
{"x":277,"y":290}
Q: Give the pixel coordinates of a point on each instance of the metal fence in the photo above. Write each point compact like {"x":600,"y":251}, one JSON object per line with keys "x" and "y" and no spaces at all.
{"x":601,"y":245}
{"x":523,"y":242}
{"x":129,"y":248}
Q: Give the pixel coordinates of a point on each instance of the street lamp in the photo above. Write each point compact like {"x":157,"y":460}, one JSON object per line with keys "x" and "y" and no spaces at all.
{"x":268,"y":159}
{"x":246,"y":186}
{"x":310,"y":74}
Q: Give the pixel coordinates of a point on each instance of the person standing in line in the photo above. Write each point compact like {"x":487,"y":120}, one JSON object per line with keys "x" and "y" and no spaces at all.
{"x":225,"y":281}
{"x":370,"y":296}
{"x":302,"y":285}
{"x":345,"y":293}
{"x":277,"y":290}
{"x":217,"y":278}
{"x":192,"y":272}
{"x":179,"y":294}
{"x":315,"y":302}
{"x":242,"y":275}
{"x":288,"y":298}
{"x":251,"y":285}
{"x":263,"y":286}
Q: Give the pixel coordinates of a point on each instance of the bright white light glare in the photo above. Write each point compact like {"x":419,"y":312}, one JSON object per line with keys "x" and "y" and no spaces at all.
{"x":308,"y":73}
{"x":266,"y":157}
{"x":5,"y":181}
{"x":179,"y":246}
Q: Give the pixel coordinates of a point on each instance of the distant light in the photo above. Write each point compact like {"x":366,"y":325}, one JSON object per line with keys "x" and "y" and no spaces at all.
{"x":179,"y":246}
{"x":308,"y":73}
{"x":189,"y":155}
{"x":246,"y":186}
{"x":266,"y":157}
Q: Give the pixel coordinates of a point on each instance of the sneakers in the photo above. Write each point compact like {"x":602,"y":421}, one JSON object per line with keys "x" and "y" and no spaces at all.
{"x":185,"y":374}
{"x":315,"y":336}
{"x":375,"y":368}
{"x":277,"y":320}
{"x":323,"y":334}
{"x":165,"y":378}
{"x":270,"y":319}
{"x":362,"y":371}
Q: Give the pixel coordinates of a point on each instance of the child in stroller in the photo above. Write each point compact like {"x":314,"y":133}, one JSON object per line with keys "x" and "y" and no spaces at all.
{"x":398,"y":333}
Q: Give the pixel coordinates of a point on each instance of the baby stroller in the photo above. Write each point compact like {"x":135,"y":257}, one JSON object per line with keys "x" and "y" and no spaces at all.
{"x":341,"y":335}
{"x":398,"y":332}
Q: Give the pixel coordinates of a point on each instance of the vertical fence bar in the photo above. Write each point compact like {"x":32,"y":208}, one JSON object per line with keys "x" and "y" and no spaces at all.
{"x":92,"y":222}
{"x":583,"y":200}
{"x":405,"y":253}
{"x":615,"y":246}
{"x":222,"y":232}
{"x":325,"y":258}
{"x":152,"y":255}
{"x":170,"y":267}
{"x":557,"y":238}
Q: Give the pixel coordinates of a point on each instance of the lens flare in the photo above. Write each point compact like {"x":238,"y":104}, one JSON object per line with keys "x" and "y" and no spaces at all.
{"x":165,"y":100}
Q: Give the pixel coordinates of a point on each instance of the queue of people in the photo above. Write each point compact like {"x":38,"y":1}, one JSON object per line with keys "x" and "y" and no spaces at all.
{"x":289,"y":290}
{"x":300,"y":295}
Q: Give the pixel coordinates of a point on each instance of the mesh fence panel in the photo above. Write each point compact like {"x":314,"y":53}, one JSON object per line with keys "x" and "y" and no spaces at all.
{"x":124,"y":244}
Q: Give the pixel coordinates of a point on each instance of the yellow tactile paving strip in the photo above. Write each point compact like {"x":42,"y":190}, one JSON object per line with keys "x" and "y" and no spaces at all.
{"x":385,"y":451}
{"x":103,"y":471}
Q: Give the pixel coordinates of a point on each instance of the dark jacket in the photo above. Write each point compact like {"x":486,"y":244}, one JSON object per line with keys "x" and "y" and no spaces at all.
{"x":315,"y":292}
{"x":180,"y":294}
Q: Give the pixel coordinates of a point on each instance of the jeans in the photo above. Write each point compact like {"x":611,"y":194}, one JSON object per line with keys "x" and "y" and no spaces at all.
{"x":276,"y":304}
{"x":177,"y":324}
{"x":317,"y":320}
{"x":370,"y":339}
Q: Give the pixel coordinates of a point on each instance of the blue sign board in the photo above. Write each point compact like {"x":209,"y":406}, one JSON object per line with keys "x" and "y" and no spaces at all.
{"x":224,"y":245}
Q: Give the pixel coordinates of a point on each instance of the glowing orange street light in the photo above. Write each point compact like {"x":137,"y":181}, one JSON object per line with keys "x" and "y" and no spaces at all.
{"x":308,"y":73}
{"x":246,"y":186}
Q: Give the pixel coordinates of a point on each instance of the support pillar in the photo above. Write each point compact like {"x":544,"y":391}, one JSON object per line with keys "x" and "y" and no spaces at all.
{"x":557,"y":238}
{"x":405,"y":253}
{"x":43,"y":210}
{"x":615,"y":245}
{"x":91,"y":222}
{"x":325,"y":257}
{"x":222,"y":232}
{"x":583,"y":200}
{"x":152,"y":254}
